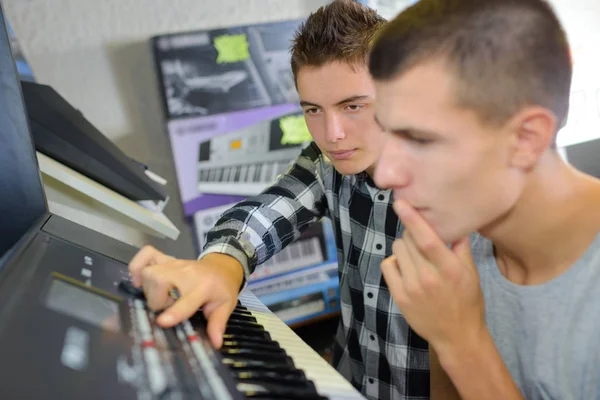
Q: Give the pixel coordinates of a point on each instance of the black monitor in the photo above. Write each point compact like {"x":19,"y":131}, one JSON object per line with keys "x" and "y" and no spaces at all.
{"x":22,"y":199}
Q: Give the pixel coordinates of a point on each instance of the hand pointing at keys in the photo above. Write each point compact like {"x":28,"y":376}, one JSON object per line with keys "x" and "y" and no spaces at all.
{"x":213,"y":283}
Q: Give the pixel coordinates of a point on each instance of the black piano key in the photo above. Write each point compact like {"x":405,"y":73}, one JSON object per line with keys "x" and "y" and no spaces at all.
{"x":274,"y":377}
{"x":274,"y":380}
{"x":247,"y":344}
{"x":239,"y":311}
{"x":255,"y":354}
{"x":258,"y":350}
{"x":266,"y":369}
{"x":249,"y":331}
{"x":284,"y":362}
{"x":242,"y":323}
{"x":241,"y":317}
{"x":247,"y":338}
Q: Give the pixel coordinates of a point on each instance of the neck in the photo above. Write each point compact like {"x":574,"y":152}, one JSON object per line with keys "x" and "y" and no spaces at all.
{"x":553,"y":223}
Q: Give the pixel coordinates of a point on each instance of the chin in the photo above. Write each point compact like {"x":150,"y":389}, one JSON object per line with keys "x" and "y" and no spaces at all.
{"x":451,"y":236}
{"x":349,"y":167}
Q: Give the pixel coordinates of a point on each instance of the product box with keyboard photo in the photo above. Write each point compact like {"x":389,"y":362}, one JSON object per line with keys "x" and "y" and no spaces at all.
{"x":224,"y":70}
{"x":222,"y":159}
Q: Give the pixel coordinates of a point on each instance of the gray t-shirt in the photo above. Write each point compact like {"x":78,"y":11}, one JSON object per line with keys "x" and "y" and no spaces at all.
{"x":548,"y":334}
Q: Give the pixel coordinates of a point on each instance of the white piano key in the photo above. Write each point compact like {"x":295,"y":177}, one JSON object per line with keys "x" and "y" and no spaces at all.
{"x":326,"y":379}
{"x":243,"y":173}
{"x":219,"y":174}
{"x":264,"y":171}
{"x":251,"y":172}
{"x":226,"y":174}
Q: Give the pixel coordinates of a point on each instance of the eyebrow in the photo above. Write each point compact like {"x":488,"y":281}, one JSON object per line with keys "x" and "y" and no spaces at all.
{"x":405,"y":130}
{"x":350,"y":99}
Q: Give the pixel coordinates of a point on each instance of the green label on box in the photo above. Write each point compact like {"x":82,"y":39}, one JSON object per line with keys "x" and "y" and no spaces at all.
{"x":294,"y":130}
{"x":231,"y":48}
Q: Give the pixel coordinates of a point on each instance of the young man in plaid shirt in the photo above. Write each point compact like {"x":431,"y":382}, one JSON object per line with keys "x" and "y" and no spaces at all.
{"x":374,"y":348}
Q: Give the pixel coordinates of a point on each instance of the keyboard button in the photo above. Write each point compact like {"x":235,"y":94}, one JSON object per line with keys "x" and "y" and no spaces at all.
{"x":128,"y":287}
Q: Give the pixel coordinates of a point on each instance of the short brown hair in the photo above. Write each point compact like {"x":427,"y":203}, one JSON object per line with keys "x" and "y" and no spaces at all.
{"x":340,"y":31}
{"x":506,"y":54}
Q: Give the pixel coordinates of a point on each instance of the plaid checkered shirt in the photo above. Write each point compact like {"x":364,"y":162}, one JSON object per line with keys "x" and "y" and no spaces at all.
{"x":374,"y":347}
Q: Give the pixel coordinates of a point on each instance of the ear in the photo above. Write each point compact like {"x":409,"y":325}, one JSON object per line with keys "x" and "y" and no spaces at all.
{"x":534,"y":131}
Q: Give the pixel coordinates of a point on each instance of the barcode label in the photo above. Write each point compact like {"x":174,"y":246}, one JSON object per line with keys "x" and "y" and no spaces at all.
{"x":299,"y":254}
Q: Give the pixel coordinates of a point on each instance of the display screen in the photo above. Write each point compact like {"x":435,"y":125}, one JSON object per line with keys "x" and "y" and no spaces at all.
{"x":86,"y":305}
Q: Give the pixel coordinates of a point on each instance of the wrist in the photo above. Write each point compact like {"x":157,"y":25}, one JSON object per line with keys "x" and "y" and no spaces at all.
{"x":232,"y":267}
{"x":466,"y":349}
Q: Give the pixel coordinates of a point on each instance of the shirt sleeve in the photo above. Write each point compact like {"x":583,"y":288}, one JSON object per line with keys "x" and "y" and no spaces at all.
{"x":259,"y":227}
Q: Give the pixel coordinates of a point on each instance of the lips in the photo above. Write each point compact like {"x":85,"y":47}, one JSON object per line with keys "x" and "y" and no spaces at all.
{"x":342,"y":154}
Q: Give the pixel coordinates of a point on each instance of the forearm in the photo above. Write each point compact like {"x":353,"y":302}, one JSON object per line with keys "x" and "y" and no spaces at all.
{"x":259,"y":227}
{"x":477,"y":371}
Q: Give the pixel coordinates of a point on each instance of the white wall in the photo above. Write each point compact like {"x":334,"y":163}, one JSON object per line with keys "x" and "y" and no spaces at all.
{"x":581,"y":19}
{"x":95,"y":53}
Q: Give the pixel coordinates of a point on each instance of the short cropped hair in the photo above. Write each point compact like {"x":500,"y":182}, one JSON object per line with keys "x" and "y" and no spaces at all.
{"x":340,"y":31}
{"x":506,"y":54}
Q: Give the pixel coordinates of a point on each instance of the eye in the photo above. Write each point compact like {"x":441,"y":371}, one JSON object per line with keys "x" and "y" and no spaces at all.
{"x":311,"y":111}
{"x":420,"y":141}
{"x":354,"y":107}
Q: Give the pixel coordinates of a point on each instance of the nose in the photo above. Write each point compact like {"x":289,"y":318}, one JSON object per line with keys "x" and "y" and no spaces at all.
{"x":334,"y":131}
{"x":391,"y":168}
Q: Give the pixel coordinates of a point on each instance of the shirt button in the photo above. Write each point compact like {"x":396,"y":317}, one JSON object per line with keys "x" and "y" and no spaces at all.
{"x":370,"y":295}
{"x":378,"y":246}
{"x":371,"y":380}
{"x":381,"y":197}
{"x":372,"y":337}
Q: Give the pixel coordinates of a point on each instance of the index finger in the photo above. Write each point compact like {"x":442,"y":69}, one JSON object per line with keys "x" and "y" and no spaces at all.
{"x":148,"y":255}
{"x":422,"y":234}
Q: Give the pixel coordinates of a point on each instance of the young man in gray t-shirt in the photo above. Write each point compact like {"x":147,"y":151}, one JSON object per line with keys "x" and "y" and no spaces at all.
{"x":472,"y":94}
